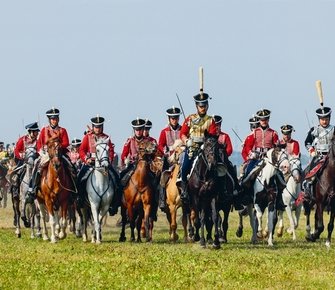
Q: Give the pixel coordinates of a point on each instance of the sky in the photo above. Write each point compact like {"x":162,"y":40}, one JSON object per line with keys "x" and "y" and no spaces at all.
{"x":128,"y":59}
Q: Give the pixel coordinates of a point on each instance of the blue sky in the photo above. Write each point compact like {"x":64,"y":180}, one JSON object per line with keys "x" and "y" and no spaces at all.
{"x":127,"y":59}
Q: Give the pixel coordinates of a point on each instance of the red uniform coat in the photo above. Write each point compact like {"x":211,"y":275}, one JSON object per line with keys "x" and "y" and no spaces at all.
{"x":292,"y":147}
{"x":21,"y":144}
{"x":258,"y":140}
{"x":48,"y":132}
{"x":224,"y":139}
{"x":87,"y":146}
{"x":167,"y":138}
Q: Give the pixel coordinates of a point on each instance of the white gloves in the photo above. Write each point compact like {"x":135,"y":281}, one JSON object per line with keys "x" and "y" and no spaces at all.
{"x":189,"y":143}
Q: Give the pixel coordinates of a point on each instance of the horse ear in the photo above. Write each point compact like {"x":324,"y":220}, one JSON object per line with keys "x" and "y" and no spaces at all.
{"x":282,"y":146}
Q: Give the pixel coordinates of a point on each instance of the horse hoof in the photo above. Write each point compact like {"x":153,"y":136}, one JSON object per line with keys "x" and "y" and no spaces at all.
{"x":310,"y":239}
{"x":98,"y":242}
{"x":259,"y":235}
{"x":122,"y":239}
{"x":18,"y":235}
{"x":239,"y":232}
{"x":45,"y":238}
{"x":327,"y":244}
{"x":223,"y":241}
{"x":216,"y":246}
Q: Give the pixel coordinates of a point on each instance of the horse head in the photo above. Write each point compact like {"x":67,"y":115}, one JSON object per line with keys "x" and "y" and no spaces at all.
{"x":54,"y":152}
{"x":177,"y":148}
{"x":102,"y":153}
{"x":277,"y":155}
{"x":146,"y":150}
{"x":30,"y":155}
{"x":295,"y":168}
{"x":210,"y":151}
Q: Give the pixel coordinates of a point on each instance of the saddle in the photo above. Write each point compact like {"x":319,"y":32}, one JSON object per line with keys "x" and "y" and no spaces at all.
{"x":317,"y":168}
{"x":251,"y":177}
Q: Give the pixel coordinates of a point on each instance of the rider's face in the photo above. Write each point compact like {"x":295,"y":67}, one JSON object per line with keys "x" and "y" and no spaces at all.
{"x":264,"y":122}
{"x":173,"y":121}
{"x":53,"y":121}
{"x":324,"y":122}
{"x":138,"y":132}
{"x":286,"y":137}
{"x":97,"y":130}
{"x":202,"y":108}
{"x":33,"y":134}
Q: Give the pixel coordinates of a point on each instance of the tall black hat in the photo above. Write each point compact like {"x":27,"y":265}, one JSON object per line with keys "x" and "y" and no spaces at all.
{"x":173,"y":112}
{"x":263,"y":114}
{"x":75,"y":142}
{"x":97,"y":121}
{"x":138,"y":123}
{"x":148,"y":124}
{"x":323,"y":112}
{"x":53,"y":112}
{"x":201,"y":99}
{"x":32,"y":127}
{"x":253,"y":120}
{"x":217,"y":119}
{"x":286,"y":129}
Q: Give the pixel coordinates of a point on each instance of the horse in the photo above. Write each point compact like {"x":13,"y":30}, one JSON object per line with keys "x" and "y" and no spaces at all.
{"x":4,"y":184}
{"x":173,"y":200}
{"x":264,"y":195}
{"x":20,"y":178}
{"x":324,"y":189}
{"x":54,"y":192}
{"x":100,"y":188}
{"x":139,"y":194}
{"x":202,"y":188}
{"x":292,"y":173}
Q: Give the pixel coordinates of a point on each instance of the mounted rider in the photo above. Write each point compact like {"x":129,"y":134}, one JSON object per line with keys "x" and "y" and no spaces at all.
{"x":292,"y":147}
{"x":87,"y":153}
{"x":192,"y":134}
{"x":166,"y":140}
{"x":53,"y":130}
{"x":255,"y":148}
{"x":225,"y":150}
{"x":146,"y":132}
{"x":74,"y":153}
{"x":318,"y":142}
{"x":3,"y":152}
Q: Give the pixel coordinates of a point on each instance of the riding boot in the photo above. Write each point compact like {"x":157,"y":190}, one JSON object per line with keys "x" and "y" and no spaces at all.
{"x":116,"y":202}
{"x":308,"y":190}
{"x":162,"y":199}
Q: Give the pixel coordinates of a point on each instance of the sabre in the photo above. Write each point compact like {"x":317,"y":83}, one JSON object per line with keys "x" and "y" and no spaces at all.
{"x":181,"y":107}
{"x":237,"y":135}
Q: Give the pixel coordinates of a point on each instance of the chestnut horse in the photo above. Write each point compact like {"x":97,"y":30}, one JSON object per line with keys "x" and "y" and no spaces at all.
{"x":139,"y":194}
{"x":173,"y":200}
{"x":55,"y":189}
{"x":324,"y":189}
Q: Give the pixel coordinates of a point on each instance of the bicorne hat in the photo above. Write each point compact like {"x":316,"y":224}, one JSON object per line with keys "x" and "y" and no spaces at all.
{"x":75,"y":142}
{"x":32,"y":127}
{"x":323,"y":112}
{"x":97,"y":121}
{"x":286,"y":129}
{"x":138,"y":123}
{"x":2,"y":144}
{"x":263,"y":114}
{"x":53,"y":112}
{"x":148,"y":124}
{"x":201,"y":99}
{"x":217,"y":119}
{"x":173,"y":112}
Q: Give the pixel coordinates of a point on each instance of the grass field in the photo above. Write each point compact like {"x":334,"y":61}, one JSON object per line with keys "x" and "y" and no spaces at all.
{"x":72,"y":264}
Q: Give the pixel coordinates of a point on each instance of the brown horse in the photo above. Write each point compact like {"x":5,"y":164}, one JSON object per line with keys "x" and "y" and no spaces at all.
{"x":324,"y":189}
{"x":139,"y":194}
{"x":173,"y":200}
{"x":54,"y":193}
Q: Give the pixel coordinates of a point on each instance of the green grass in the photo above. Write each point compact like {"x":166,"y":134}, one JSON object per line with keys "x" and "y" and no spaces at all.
{"x":72,"y":264}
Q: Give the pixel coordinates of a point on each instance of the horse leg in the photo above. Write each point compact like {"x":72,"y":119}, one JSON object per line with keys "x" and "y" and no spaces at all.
{"x":271,"y":221}
{"x":52,"y":222}
{"x":291,"y":229}
{"x":43,"y":219}
{"x":84,"y":213}
{"x":173,"y":223}
{"x":37,"y":218}
{"x":239,"y":231}
{"x":147,"y":223}
{"x":259,"y":215}
{"x":216,"y":244}
{"x":308,"y":225}
{"x":280,"y":229}
{"x":16,"y":209}
{"x":202,"y":228}
{"x":95,"y":230}
{"x":253,"y":223}
{"x":330,"y":228}
{"x":209,"y":226}
{"x":226,"y":212}
{"x":63,"y":222}
{"x":319,"y":226}
{"x":184,"y":222}
{"x":122,"y":237}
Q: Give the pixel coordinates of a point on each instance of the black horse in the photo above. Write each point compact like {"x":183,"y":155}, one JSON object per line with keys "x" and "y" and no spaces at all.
{"x":203,"y":190}
{"x":324,"y":189}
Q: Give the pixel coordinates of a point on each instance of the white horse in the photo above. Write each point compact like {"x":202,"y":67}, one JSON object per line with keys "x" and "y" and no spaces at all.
{"x":264,"y":196}
{"x":292,"y":172}
{"x":100,"y":188}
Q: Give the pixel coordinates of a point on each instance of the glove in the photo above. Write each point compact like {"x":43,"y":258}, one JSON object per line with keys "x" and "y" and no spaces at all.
{"x":253,"y":155}
{"x":189,"y":143}
{"x":312,"y":151}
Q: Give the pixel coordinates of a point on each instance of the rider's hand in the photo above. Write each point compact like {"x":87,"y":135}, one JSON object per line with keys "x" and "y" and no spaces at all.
{"x":189,"y":143}
{"x":89,"y":161}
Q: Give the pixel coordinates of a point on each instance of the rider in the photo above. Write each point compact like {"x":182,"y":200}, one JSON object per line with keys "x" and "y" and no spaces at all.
{"x":74,"y":153}
{"x":87,"y":151}
{"x":192,"y":134}
{"x":318,"y":142}
{"x":166,"y":140}
{"x":225,"y":150}
{"x":50,"y":131}
{"x":3,"y":153}
{"x":257,"y":144}
{"x":292,"y":146}
{"x":146,"y":132}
